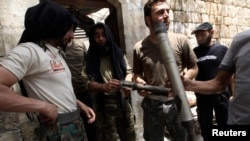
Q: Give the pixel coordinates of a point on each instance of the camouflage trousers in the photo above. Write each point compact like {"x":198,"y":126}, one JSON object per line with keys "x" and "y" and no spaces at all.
{"x":74,"y":131}
{"x":113,"y":123}
{"x":159,"y":116}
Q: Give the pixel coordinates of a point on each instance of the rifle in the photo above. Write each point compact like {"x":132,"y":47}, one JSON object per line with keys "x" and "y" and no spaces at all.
{"x":150,"y":88}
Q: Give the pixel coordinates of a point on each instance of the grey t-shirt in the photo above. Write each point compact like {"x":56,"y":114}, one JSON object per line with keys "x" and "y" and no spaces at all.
{"x":237,"y":60}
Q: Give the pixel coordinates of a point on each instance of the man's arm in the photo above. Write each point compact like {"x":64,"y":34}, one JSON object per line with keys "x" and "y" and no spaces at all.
{"x":192,"y":71}
{"x":89,"y":112}
{"x":13,"y":102}
{"x":97,"y":87}
{"x":216,"y":85}
{"x":112,"y":86}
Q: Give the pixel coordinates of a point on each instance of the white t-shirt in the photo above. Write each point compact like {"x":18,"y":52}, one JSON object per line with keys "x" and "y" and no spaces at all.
{"x":45,"y":75}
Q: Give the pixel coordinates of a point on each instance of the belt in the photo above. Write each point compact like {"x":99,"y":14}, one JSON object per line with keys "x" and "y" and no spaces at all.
{"x":160,"y":98}
{"x":68,"y":117}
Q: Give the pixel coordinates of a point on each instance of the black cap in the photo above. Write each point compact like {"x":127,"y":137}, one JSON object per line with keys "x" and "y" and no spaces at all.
{"x":203,"y":26}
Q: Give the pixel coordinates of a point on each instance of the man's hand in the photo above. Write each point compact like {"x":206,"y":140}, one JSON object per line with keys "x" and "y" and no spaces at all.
{"x":49,"y":114}
{"x":186,"y":82}
{"x":89,"y":112}
{"x":141,"y":82}
{"x":112,"y":86}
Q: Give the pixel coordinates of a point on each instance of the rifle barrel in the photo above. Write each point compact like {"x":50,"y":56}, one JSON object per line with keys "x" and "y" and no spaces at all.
{"x":150,"y":88}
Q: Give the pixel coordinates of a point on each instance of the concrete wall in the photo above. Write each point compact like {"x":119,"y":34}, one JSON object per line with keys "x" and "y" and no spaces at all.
{"x":228,"y":16}
{"x":11,"y":22}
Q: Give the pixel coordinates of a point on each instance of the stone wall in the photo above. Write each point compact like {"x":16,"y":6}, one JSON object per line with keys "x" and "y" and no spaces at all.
{"x":228,"y":16}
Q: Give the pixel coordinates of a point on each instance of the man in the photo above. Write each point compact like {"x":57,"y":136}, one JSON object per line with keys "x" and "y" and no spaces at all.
{"x":235,"y":63}
{"x":159,"y":111}
{"x":106,"y":66}
{"x":75,"y":58}
{"x":46,"y":77}
{"x":209,"y":57}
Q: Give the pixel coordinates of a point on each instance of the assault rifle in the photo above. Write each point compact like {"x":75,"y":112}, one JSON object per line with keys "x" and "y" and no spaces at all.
{"x":150,"y":88}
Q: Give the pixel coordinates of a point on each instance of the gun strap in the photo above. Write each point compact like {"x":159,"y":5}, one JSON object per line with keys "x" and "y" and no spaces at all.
{"x":24,"y":93}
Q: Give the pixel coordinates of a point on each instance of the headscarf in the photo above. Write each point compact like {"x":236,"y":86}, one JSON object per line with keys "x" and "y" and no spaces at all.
{"x":93,"y":58}
{"x":47,"y":20}
{"x":116,"y":58}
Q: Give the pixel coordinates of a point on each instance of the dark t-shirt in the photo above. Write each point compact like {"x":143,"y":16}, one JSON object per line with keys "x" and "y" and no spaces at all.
{"x":209,"y":58}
